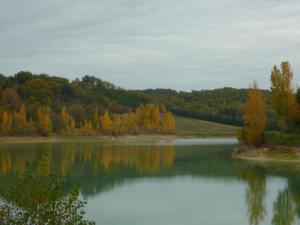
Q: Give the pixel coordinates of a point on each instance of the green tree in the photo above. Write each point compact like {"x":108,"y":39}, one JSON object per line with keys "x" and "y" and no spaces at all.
{"x":283,"y":99}
{"x":37,"y":198}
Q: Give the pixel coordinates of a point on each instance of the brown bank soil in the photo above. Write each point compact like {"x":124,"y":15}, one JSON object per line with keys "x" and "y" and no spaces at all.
{"x":279,"y":154}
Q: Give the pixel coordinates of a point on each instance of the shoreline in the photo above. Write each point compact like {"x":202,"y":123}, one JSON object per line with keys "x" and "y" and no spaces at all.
{"x":103,"y":138}
{"x":279,"y":154}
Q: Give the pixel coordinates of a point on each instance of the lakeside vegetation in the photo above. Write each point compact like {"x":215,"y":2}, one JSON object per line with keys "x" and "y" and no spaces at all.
{"x":253,"y":137}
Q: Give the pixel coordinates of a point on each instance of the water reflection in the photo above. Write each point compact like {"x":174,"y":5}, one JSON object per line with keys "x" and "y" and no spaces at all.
{"x":255,"y":193}
{"x":36,"y":197}
{"x":148,"y":160}
{"x":102,"y":167}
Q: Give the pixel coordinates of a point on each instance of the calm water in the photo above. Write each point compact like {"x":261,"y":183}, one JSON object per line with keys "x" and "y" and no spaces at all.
{"x":186,"y":181}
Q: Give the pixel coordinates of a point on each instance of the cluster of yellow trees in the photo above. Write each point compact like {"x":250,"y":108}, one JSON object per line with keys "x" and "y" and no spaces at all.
{"x":284,"y":103}
{"x":149,"y":118}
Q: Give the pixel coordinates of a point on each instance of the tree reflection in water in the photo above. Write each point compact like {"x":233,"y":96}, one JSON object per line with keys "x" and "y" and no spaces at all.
{"x":36,"y":197}
{"x":255,"y":194}
{"x":284,"y":208}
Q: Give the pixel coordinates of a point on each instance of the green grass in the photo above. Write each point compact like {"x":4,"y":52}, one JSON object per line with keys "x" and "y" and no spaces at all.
{"x":276,"y":154}
{"x":281,"y":138}
{"x":189,"y":126}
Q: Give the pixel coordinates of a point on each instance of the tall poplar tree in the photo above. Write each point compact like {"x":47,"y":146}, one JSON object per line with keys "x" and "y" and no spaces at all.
{"x":255,"y":118}
{"x":283,"y":99}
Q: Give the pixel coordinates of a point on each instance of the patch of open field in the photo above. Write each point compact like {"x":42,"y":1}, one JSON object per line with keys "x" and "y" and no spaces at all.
{"x":189,"y":126}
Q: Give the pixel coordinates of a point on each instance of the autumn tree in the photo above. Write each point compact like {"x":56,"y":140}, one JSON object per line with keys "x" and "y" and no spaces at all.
{"x":283,"y":99}
{"x":72,"y":125}
{"x":68,"y":123}
{"x":169,"y":123}
{"x":148,"y":117}
{"x":255,"y":118}
{"x":44,"y":122}
{"x":20,"y":125}
{"x":106,"y":123}
{"x":86,"y":127}
{"x":6,"y":123}
{"x":116,"y":124}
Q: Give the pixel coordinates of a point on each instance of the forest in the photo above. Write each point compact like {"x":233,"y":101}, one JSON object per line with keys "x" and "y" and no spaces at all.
{"x":39,"y":103}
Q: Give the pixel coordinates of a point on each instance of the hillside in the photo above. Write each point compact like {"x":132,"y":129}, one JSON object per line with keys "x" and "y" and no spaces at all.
{"x":190,"y":126}
{"x":81,"y":96}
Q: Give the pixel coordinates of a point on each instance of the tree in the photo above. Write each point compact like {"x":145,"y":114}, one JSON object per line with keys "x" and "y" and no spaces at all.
{"x":72,"y":125}
{"x":86,"y":128}
{"x":106,"y":123}
{"x":68,"y":123}
{"x":20,"y":121}
{"x":169,"y":123}
{"x":96,"y":120}
{"x":44,"y":121}
{"x":11,"y":100}
{"x":78,"y":113}
{"x":117,"y":124}
{"x":283,"y":99}
{"x":255,"y":118}
{"x":37,"y":197}
{"x":6,"y":123}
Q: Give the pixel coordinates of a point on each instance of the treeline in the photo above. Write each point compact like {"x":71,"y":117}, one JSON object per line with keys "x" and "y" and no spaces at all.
{"x":83,"y":95}
{"x":149,"y":118}
{"x":285,"y":103}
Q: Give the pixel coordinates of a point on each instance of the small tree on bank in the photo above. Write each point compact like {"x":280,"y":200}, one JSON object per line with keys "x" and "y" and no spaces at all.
{"x":255,"y":118}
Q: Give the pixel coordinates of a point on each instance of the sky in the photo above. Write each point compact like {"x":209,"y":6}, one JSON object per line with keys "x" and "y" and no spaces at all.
{"x":183,"y":45}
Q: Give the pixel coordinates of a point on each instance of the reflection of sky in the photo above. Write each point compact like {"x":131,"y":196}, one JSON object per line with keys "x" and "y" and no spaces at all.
{"x":201,"y":141}
{"x":178,"y":201}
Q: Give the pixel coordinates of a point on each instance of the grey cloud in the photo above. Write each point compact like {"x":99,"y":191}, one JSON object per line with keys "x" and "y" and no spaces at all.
{"x":147,"y":44}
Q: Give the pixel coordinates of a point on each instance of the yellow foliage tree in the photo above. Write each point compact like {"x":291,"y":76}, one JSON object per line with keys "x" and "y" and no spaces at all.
{"x":106,"y":123}
{"x":86,"y":128}
{"x":117,"y":124}
{"x":169,"y":123}
{"x":72,"y":125}
{"x":255,"y":118}
{"x":283,"y":99}
{"x":6,"y":122}
{"x":44,"y":121}
{"x":19,"y":121}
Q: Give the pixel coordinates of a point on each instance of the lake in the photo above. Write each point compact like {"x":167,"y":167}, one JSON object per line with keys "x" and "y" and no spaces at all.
{"x":177,"y":182}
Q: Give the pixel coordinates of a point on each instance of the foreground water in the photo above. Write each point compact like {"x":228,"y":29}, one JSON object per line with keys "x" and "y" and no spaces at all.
{"x":184,"y":181}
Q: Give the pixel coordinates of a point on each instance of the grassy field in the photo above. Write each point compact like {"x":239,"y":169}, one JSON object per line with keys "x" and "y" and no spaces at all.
{"x":189,"y":126}
{"x":281,"y":138}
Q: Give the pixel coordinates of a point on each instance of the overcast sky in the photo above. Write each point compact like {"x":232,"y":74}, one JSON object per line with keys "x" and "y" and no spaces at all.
{"x":183,"y":45}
